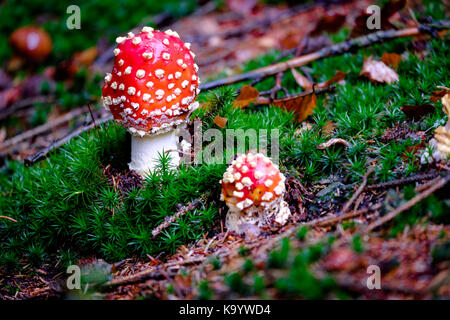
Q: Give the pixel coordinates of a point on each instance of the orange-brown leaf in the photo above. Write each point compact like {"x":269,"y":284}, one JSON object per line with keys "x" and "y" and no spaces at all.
{"x":302,"y":105}
{"x":437,"y":95}
{"x":339,"y":76}
{"x":417,"y":111}
{"x":220,"y":122}
{"x":247,"y":95}
{"x":391,"y":59}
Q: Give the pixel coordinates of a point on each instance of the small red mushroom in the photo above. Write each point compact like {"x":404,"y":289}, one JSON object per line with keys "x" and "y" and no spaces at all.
{"x":253,"y":189}
{"x":151,"y":91}
{"x":31,"y":43}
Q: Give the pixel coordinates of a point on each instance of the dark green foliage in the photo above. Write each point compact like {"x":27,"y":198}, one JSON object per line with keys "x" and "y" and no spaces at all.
{"x":65,"y":204}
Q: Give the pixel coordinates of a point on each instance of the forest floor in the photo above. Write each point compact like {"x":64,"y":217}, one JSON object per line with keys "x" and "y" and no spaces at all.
{"x":360,"y":193}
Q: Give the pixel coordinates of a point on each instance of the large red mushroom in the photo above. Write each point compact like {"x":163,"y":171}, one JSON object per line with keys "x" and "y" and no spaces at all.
{"x":253,"y":189}
{"x":151,"y":91}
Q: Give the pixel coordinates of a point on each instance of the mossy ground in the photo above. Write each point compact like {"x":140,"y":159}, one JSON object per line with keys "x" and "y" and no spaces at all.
{"x":66,"y":209}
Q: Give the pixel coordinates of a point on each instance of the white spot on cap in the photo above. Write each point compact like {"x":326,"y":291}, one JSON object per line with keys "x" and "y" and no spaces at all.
{"x":184,"y":65}
{"x":195,"y":67}
{"x":267,"y":196}
{"x":147,"y":55}
{"x":114,"y":85}
{"x":268,"y":183}
{"x":136,"y":40}
{"x":146,"y":97}
{"x":185,"y":83}
{"x":149,"y":84}
{"x":120,"y":62}
{"x":166,"y":56}
{"x":108,"y":77}
{"x":177,"y":91}
{"x":244,"y":169}
{"x":121,"y":86}
{"x":279,"y":189}
{"x":180,"y":62}
{"x":178,"y":74}
{"x":194,"y":77}
{"x":135,"y":105}
{"x":147,"y":29}
{"x":140,"y":73}
{"x":131,"y":91}
{"x":187,"y":45}
{"x":238,"y":194}
{"x":159,"y":94}
{"x":170,"y":85}
{"x":170,"y":76}
{"x":159,"y":73}
{"x":120,"y":39}
{"x":246,"y":181}
{"x":258,"y":175}
{"x":166,"y":42}
{"x":237,"y":176}
{"x":128,"y":70}
{"x":192,"y":54}
{"x":130,"y":35}
{"x":116,"y":51}
{"x":239,"y":186}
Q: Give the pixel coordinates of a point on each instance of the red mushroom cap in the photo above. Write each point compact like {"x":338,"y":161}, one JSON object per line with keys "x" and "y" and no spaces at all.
{"x":154,"y":82}
{"x":31,"y":42}
{"x":252,"y":180}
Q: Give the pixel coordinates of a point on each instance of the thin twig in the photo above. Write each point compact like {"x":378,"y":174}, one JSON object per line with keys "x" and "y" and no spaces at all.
{"x":328,"y":51}
{"x":43,"y":153}
{"x":171,"y":219}
{"x":23,"y":104}
{"x":435,"y":184}
{"x":43,"y":128}
{"x":402,"y":181}
{"x":358,"y":191}
{"x":8,"y":218}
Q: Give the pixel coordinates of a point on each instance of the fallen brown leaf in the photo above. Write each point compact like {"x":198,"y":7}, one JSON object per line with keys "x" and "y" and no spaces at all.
{"x":416,"y":112}
{"x":329,"y":22}
{"x":437,"y":95}
{"x":247,"y":95}
{"x":328,"y":128}
{"x":391,"y":59}
{"x":338,"y":77}
{"x":220,"y":122}
{"x":301,"y":80}
{"x":377,"y":71}
{"x":302,"y":105}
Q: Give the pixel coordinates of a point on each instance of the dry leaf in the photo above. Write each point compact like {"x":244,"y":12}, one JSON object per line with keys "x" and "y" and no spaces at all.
{"x":329,"y":22}
{"x":377,"y":71}
{"x":302,"y":105}
{"x":332,"y":142}
{"x":391,"y":59}
{"x":416,"y":112}
{"x":338,"y":77}
{"x":247,"y":95}
{"x":328,"y":128}
{"x":220,"y":122}
{"x":301,"y":80}
{"x":437,"y":95}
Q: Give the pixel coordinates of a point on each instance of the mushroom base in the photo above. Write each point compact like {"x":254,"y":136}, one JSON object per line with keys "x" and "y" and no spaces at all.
{"x":255,"y":216}
{"x":145,"y":151}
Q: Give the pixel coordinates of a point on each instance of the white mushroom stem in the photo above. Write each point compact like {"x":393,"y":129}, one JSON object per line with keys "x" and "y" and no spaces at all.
{"x":145,"y":151}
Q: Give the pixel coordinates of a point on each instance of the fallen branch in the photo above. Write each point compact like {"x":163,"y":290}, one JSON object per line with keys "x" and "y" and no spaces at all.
{"x":435,"y":184}
{"x":43,"y":128}
{"x":43,"y":153}
{"x":171,"y":219}
{"x":7,"y":111}
{"x":328,"y":51}
{"x":402,"y":181}
{"x":8,"y":218}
